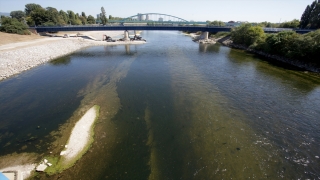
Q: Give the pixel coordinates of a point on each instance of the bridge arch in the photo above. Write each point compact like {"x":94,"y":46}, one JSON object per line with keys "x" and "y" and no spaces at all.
{"x":132,"y":18}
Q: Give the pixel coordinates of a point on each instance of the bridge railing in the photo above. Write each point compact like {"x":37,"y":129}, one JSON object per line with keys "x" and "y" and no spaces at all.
{"x":277,"y":29}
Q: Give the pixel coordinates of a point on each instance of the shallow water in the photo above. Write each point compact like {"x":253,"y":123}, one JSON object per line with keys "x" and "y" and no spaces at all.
{"x":170,"y":109}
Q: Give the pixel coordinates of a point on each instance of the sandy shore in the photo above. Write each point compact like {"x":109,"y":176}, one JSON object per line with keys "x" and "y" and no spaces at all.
{"x":18,"y":57}
{"x":81,"y":134}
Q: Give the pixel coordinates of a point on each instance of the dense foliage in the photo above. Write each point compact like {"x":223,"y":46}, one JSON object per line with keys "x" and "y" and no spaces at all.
{"x":50,"y":16}
{"x":289,"y":44}
{"x":35,"y":15}
{"x":216,"y":23}
{"x":247,"y":34}
{"x":311,"y":16}
{"x":12,"y":25}
{"x":288,"y":24}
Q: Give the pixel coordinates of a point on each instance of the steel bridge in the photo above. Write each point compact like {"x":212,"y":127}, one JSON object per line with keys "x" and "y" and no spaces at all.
{"x":130,"y":27}
{"x":153,"y":27}
{"x":153,"y":21}
{"x":156,"y":18}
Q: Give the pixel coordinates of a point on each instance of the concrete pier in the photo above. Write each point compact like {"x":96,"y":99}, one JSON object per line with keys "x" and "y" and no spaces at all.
{"x":126,"y":36}
{"x":204,"y":35}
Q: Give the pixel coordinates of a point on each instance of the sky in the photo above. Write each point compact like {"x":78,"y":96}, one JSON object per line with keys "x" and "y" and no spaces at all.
{"x":198,"y":10}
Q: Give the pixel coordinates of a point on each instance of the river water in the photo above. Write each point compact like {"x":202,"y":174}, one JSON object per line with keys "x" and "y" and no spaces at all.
{"x":170,"y":109}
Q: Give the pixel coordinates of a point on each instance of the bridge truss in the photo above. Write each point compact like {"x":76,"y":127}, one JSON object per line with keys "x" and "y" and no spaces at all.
{"x":155,"y":18}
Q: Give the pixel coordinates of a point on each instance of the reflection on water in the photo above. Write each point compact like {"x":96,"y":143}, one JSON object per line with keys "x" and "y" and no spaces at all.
{"x":177,"y":110}
{"x":209,"y":48}
{"x":61,"y":61}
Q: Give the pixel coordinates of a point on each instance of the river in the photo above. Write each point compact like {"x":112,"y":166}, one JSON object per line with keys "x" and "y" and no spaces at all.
{"x":170,"y":109}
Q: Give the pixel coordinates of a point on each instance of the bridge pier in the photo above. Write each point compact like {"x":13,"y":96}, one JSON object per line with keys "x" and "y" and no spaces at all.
{"x":126,"y":36}
{"x":204,"y":35}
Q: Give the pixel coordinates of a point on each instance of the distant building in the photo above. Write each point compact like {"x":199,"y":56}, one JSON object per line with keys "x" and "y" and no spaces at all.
{"x":147,"y":17}
{"x":139,"y":17}
{"x":161,"y":19}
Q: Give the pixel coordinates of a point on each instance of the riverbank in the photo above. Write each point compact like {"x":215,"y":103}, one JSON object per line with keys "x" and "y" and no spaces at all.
{"x":18,"y":57}
{"x":226,"y":41}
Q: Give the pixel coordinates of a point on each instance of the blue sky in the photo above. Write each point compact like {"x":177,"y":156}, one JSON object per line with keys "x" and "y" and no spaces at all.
{"x":197,"y":10}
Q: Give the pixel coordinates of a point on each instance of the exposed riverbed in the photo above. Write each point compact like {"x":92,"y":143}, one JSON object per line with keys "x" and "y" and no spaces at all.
{"x":169,"y":109}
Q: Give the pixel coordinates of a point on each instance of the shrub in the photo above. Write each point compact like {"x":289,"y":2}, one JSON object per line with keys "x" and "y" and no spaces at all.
{"x":12,"y":25}
{"x":247,"y":34}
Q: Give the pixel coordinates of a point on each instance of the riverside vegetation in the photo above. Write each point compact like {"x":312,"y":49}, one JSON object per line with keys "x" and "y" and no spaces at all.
{"x":289,"y":44}
{"x":36,"y":15}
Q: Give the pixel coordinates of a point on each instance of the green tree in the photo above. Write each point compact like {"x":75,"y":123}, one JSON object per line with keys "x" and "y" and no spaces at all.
{"x":54,"y":16}
{"x":71,"y":15}
{"x":304,"y":21}
{"x":12,"y":25}
{"x":73,"y":18}
{"x":63,"y":15}
{"x":103,"y":16}
{"x":216,"y":23}
{"x":31,"y":7}
{"x":247,"y":34}
{"x":83,"y":14}
{"x":83,"y":20}
{"x":268,"y":24}
{"x":290,"y":24}
{"x":18,"y":15}
{"x":281,"y":43}
{"x":311,"y":16}
{"x":315,"y":17}
{"x":39,"y":16}
{"x":91,"y":20}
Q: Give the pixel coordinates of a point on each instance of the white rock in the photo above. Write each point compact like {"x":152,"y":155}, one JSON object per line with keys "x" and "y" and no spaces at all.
{"x":41,"y":167}
{"x":49,"y":164}
{"x":45,"y":161}
{"x":66,"y":146}
{"x":62,"y":153}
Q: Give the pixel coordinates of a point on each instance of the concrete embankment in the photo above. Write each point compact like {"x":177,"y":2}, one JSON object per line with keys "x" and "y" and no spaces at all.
{"x":15,"y":59}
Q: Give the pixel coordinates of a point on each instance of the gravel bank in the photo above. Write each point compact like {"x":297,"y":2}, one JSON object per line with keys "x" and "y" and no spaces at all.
{"x":81,"y":134}
{"x":16,"y":60}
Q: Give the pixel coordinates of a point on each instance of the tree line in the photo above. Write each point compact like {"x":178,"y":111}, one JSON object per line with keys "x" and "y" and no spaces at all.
{"x":288,"y":44}
{"x":35,"y":15}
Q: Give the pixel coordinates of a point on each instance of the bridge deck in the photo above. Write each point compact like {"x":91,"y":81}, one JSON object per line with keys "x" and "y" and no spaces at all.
{"x":123,"y":28}
{"x":148,"y":27}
